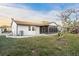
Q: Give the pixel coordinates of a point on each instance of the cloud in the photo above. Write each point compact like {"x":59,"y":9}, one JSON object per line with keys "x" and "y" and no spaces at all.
{"x":28,"y":13}
{"x":16,"y":12}
{"x":21,"y":11}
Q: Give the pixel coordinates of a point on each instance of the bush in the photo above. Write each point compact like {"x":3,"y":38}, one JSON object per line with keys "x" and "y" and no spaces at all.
{"x":75,"y":31}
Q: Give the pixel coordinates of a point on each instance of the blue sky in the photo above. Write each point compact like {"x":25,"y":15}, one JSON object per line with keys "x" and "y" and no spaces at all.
{"x":45,"y":11}
{"x":45,"y":6}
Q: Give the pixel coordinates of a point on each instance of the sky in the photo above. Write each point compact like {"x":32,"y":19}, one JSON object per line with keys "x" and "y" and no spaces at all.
{"x":38,"y":11}
{"x":43,"y":6}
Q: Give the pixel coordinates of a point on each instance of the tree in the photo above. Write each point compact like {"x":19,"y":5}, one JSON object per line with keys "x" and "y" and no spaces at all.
{"x":66,"y":20}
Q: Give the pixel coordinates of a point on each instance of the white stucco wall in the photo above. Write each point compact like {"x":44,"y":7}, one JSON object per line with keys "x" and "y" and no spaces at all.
{"x":14,"y":28}
{"x":37,"y":30}
{"x":26,"y":31}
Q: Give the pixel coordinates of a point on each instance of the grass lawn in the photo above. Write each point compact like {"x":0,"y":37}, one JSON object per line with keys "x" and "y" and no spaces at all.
{"x":42,"y":46}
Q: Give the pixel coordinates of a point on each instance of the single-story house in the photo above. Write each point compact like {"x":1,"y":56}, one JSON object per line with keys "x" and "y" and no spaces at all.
{"x":32,"y":28}
{"x":0,"y":30}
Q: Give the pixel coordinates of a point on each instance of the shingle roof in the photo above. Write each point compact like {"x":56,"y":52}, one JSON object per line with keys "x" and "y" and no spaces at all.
{"x":25,"y":23}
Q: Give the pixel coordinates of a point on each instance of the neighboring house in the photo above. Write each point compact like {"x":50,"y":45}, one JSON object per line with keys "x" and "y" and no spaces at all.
{"x":32,"y":28}
{"x":0,"y":30}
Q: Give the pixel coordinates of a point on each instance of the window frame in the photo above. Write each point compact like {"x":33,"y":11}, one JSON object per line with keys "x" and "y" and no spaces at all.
{"x":29,"y":28}
{"x":33,"y":28}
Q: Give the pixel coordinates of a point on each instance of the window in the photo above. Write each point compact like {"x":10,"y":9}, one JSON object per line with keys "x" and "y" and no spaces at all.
{"x":33,"y":28}
{"x":29,"y":28}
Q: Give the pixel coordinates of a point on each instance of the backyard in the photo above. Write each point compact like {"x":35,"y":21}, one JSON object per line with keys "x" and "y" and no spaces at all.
{"x":68,"y":45}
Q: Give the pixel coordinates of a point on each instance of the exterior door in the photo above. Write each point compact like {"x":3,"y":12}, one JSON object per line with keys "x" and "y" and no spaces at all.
{"x":44,"y":29}
{"x":53,"y":29}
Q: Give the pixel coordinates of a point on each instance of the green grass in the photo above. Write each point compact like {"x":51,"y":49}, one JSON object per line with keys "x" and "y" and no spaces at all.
{"x":40,"y":46}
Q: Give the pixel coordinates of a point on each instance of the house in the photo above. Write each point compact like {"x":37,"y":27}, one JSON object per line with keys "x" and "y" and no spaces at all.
{"x":0,"y":30}
{"x":20,"y":27}
{"x":5,"y":25}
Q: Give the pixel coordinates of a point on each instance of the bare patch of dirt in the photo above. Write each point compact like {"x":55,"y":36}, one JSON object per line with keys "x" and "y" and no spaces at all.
{"x":61,"y":41}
